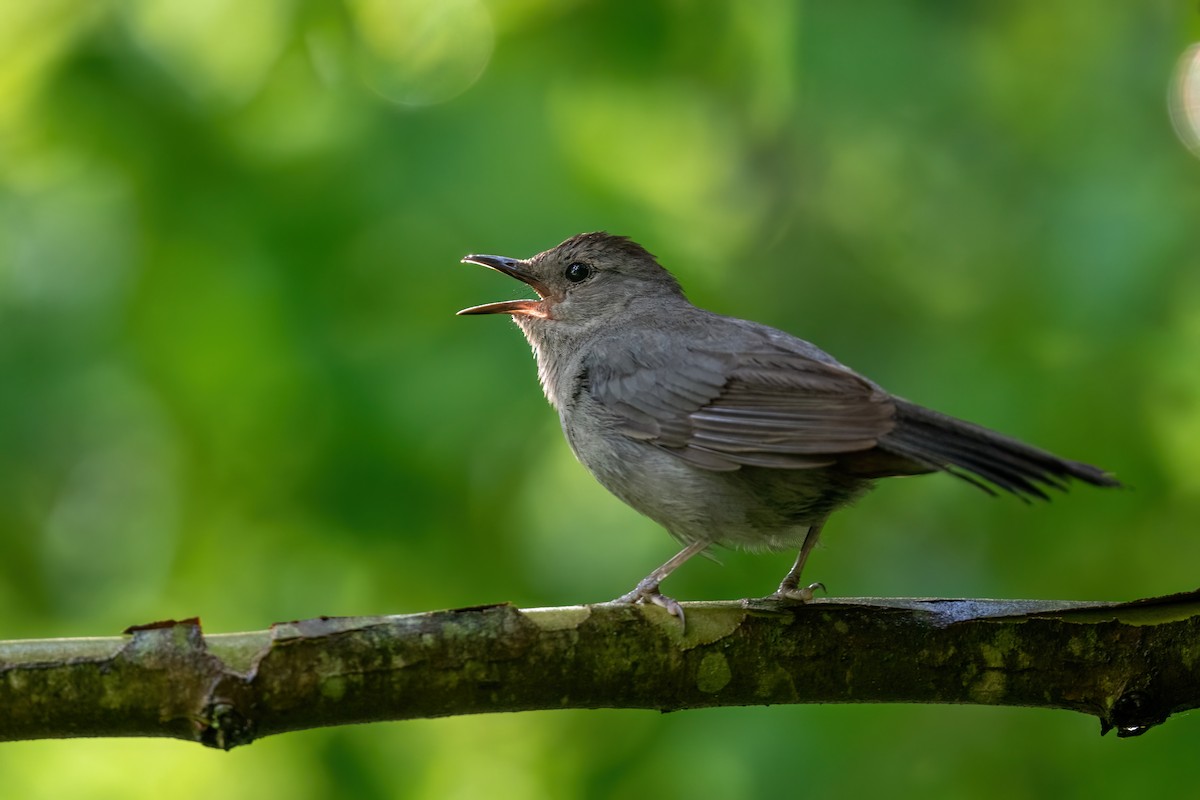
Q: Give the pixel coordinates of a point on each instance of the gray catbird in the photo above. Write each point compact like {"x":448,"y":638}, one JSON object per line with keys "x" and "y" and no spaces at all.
{"x":725,"y":431}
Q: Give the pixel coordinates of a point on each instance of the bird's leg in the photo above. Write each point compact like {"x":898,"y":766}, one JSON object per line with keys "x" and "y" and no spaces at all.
{"x":647,"y":588}
{"x":790,"y":588}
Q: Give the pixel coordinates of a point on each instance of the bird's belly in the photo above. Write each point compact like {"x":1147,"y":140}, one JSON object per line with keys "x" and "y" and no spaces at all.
{"x":753,"y":507}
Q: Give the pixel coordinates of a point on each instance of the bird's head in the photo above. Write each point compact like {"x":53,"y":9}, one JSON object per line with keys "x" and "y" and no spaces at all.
{"x":588,"y":277}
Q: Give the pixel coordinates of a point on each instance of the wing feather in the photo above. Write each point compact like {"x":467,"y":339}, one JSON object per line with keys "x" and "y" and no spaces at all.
{"x":721,"y":410}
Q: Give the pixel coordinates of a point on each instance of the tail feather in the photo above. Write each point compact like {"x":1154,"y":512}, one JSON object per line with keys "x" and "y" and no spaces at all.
{"x":978,"y":455}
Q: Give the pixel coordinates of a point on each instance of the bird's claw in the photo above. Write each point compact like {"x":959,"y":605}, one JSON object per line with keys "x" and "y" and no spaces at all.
{"x":649,"y":593}
{"x":796,"y":594}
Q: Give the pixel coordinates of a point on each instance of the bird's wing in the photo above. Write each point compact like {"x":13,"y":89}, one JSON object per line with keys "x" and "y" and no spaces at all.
{"x":721,"y":410}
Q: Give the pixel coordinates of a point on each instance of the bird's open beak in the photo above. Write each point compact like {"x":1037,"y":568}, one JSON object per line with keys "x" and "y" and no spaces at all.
{"x":513,"y":268}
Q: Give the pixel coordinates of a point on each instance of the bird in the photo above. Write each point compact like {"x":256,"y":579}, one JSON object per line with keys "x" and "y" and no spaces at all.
{"x":724,"y":431}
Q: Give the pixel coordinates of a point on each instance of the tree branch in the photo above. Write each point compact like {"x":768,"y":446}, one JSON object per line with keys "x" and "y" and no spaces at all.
{"x":1130,"y":664}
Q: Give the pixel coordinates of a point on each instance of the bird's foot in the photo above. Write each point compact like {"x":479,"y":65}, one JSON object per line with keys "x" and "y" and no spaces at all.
{"x":647,"y":592}
{"x":790,"y":592}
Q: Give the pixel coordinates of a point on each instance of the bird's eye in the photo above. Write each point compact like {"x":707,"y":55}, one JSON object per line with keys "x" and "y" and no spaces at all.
{"x":577,"y":272}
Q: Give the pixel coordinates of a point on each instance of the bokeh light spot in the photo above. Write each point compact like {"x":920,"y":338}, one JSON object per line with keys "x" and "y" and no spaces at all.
{"x":1185,"y":98}
{"x":219,"y":51}
{"x":421,"y":52}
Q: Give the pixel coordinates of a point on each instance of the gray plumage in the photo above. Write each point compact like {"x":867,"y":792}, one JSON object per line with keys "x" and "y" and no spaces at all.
{"x":722,"y":430}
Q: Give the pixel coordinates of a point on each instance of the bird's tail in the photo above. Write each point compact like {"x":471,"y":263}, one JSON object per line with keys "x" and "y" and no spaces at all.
{"x":981,"y":456}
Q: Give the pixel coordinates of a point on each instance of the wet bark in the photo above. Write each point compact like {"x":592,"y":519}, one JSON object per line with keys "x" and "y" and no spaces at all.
{"x":1131,"y":665}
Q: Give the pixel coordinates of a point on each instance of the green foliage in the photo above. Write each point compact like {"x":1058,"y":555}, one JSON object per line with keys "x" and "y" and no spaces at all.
{"x":232,"y":384}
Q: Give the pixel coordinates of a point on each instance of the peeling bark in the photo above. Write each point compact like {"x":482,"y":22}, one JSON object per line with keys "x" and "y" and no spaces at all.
{"x":1130,"y":664}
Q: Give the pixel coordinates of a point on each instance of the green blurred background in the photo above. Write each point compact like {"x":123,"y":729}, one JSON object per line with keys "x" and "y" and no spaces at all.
{"x":232,"y":383}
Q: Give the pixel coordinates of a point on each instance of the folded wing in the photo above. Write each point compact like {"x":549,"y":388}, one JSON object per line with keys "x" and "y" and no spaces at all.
{"x":722,"y":411}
